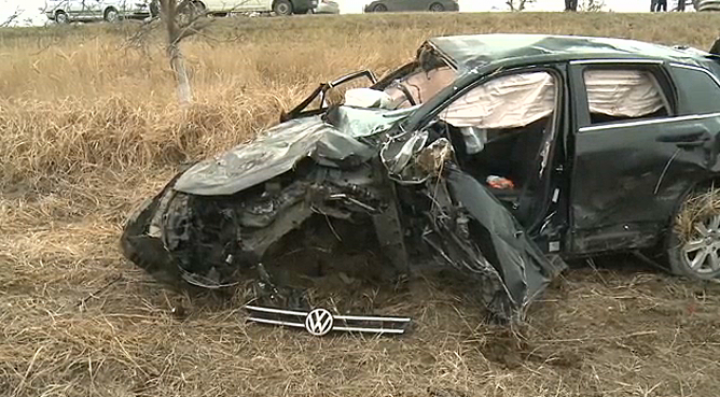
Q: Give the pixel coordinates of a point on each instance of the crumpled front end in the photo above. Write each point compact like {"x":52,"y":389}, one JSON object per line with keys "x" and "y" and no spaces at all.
{"x":220,"y":222}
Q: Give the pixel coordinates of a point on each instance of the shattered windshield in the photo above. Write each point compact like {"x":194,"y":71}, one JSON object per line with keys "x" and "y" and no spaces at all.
{"x":366,"y":111}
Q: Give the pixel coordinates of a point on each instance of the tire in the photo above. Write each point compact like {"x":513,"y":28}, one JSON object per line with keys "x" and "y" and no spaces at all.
{"x":380,"y":8}
{"x":61,"y":18}
{"x":283,"y":7}
{"x":437,"y":7}
{"x":200,"y":8}
{"x":693,"y":241}
{"x":111,"y":15}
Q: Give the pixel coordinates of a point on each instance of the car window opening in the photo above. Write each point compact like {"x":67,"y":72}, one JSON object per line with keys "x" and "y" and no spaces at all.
{"x":419,"y":86}
{"x":623,"y":94}
{"x":502,"y":129}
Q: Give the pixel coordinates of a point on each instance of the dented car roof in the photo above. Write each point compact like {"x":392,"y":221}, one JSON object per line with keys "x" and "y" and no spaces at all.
{"x":471,"y":51}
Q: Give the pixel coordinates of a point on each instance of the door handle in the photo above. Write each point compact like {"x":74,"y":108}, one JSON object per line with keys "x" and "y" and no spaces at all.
{"x":688,"y":140}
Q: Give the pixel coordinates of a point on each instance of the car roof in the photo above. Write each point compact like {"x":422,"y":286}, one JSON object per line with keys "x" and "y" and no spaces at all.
{"x":471,"y":51}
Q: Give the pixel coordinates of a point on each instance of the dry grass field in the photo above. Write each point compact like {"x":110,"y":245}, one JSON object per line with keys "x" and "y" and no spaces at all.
{"x":89,"y":127}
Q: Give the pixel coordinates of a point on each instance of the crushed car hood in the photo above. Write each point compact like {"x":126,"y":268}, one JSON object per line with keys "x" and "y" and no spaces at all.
{"x":279,"y":148}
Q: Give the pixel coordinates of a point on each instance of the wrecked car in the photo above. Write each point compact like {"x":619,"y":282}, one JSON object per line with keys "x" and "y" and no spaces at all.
{"x":500,"y":156}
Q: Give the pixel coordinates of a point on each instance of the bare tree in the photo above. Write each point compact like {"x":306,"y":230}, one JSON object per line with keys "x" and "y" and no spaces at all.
{"x":12,"y":17}
{"x":518,"y":5}
{"x":181,"y":19}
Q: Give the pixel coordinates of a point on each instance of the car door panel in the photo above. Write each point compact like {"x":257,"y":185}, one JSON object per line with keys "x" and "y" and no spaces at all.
{"x":395,"y":5}
{"x":627,"y":182}
{"x":628,"y":177}
{"x":75,"y":8}
{"x":90,"y":9}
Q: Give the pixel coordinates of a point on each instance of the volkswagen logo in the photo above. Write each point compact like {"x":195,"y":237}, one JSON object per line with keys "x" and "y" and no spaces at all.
{"x":319,"y":322}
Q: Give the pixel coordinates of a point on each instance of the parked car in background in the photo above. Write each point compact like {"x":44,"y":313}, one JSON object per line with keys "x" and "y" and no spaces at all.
{"x":326,"y":7}
{"x":279,"y":7}
{"x":66,"y":11}
{"x":706,"y":5}
{"x":412,"y":5}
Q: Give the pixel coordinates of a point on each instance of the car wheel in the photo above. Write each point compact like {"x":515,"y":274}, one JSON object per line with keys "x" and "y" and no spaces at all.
{"x":380,"y":8}
{"x":61,"y":18}
{"x":199,"y":8}
{"x":283,"y":7}
{"x":437,"y":7}
{"x":111,"y":15}
{"x":693,"y":242}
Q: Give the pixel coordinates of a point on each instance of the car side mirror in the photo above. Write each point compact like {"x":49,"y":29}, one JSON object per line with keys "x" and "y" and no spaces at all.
{"x":396,"y":153}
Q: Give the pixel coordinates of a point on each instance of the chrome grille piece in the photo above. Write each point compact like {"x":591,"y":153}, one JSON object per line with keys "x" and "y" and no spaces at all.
{"x":320,"y":321}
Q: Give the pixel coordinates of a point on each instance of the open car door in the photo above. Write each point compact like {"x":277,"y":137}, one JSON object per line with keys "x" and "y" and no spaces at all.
{"x":469,"y":229}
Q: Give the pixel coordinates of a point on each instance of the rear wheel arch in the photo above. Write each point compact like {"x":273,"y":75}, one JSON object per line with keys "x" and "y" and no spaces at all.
{"x":672,"y":241}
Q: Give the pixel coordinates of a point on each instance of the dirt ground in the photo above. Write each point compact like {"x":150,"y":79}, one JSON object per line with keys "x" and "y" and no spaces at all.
{"x":89,"y":128}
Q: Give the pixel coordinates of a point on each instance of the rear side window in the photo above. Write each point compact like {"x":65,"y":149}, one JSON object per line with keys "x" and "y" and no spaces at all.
{"x":623,"y":94}
{"x":698,"y":92}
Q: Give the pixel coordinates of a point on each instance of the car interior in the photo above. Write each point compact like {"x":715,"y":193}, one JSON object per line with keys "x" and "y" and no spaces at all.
{"x":499,"y":131}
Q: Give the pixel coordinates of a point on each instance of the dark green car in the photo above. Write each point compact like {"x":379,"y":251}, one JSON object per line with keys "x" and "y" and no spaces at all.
{"x":499,"y":156}
{"x":412,"y":5}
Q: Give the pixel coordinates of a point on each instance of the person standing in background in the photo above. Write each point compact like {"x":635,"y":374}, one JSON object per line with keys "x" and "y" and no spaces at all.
{"x":658,"y":5}
{"x":681,"y":6}
{"x":571,"y":5}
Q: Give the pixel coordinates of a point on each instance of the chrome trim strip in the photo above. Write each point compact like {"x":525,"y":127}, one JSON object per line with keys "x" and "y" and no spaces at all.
{"x":664,"y":120}
{"x":275,"y":311}
{"x":371,"y":330}
{"x":275,"y":322}
{"x":362,"y":318}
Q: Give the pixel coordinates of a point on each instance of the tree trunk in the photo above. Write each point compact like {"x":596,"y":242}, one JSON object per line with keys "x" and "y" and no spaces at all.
{"x":177,"y":63}
{"x":169,"y":13}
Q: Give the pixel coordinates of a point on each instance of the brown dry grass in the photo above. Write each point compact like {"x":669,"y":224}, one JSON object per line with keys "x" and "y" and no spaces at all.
{"x":88,"y":127}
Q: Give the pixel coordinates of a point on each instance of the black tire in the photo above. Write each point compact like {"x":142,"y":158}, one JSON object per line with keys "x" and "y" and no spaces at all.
{"x":282,"y":7}
{"x":437,"y":7}
{"x":698,"y":219}
{"x":379,"y":8}
{"x":111,"y":15}
{"x":61,"y":18}
{"x":146,"y":252}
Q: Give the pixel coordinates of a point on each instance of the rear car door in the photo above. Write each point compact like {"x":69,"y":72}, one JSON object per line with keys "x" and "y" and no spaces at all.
{"x":644,"y":133}
{"x":86,"y":9}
